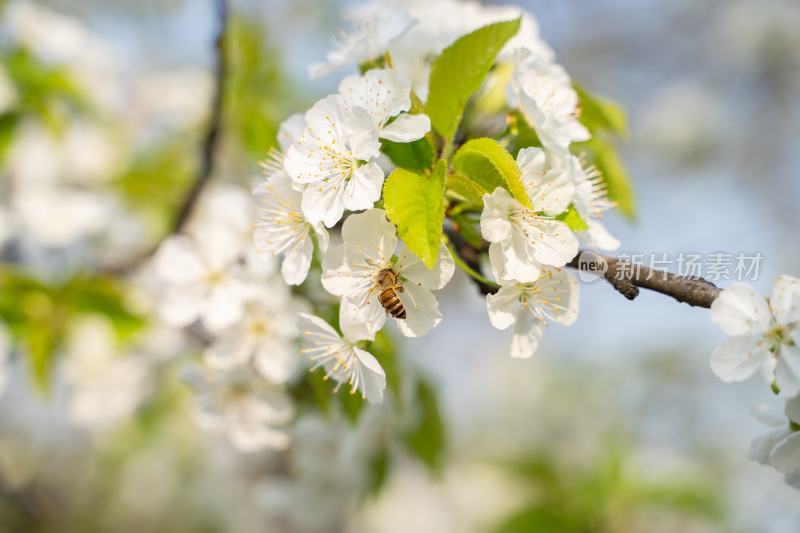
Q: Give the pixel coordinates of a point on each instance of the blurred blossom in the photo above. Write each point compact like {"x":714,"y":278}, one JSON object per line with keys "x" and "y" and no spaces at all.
{"x":5,"y":356}
{"x":58,"y":218}
{"x":751,"y":33}
{"x":228,"y":207}
{"x":326,"y":470}
{"x":105,"y":386}
{"x":175,"y":99}
{"x":62,"y":39}
{"x":245,"y":408}
{"x":682,"y":122}
{"x":265,"y":336}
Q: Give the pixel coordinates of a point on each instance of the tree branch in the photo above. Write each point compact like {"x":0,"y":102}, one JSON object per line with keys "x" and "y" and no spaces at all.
{"x":625,"y":277}
{"x":211,"y":140}
{"x":208,"y":147}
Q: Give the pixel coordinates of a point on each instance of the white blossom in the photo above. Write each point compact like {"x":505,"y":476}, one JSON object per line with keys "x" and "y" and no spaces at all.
{"x":246,"y":408}
{"x":543,"y":92}
{"x":342,"y":359}
{"x":528,"y":306}
{"x":548,"y":180}
{"x":105,"y":387}
{"x":327,"y":162}
{"x":281,"y":228}
{"x":374,"y":26}
{"x":522,"y":241}
{"x":203,"y":279}
{"x":591,"y":202}
{"x":763,"y":334}
{"x":264,"y":336}
{"x":780,"y":447}
{"x":385,"y":95}
{"x":351,"y":270}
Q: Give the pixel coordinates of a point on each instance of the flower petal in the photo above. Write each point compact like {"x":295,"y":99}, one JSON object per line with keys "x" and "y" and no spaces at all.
{"x":495,"y":223}
{"x":785,"y":300}
{"x":786,"y":454}
{"x":411,"y":268}
{"x":372,"y":378}
{"x":422,"y":311}
{"x":558,"y":296}
{"x":182,"y":305}
{"x":738,"y":358}
{"x":740,"y":310}
{"x":787,"y":371}
{"x":369,"y":235}
{"x":364,"y":188}
{"x":177,"y":261}
{"x":504,"y":305}
{"x":527,"y":334}
{"x":274,"y":360}
{"x":407,"y":128}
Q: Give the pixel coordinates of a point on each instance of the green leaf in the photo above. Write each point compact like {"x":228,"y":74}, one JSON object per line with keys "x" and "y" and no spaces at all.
{"x":460,"y":70}
{"x":618,"y":183}
{"x":414,"y":203}
{"x":426,"y":437}
{"x":466,"y":188}
{"x":573,"y":219}
{"x":378,"y":472}
{"x":352,"y":403}
{"x":490,"y":165}
{"x":383,"y":350}
{"x":599,"y":114}
{"x":416,"y":155}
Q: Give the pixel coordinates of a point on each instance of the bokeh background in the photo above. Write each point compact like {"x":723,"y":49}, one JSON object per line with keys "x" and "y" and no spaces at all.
{"x":616,"y":425}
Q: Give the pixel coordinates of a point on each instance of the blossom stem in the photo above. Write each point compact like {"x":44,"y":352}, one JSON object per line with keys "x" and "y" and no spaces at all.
{"x":469,"y":270}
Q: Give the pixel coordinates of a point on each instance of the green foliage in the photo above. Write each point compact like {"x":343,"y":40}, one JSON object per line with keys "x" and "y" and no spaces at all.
{"x":573,"y":219}
{"x":464,"y":187}
{"x":599,"y":114}
{"x":416,"y":155}
{"x":46,"y":91}
{"x":415,"y":204}
{"x":522,"y":134}
{"x":256,"y":95}
{"x":40,"y":314}
{"x":155,"y":181}
{"x":490,"y":165}
{"x":426,"y":436}
{"x":384,"y":351}
{"x":606,"y":120}
{"x":599,"y":497}
{"x":460,"y":70}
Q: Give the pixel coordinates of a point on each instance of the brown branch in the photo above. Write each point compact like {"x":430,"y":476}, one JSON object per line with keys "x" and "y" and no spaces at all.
{"x":627,"y":278}
{"x":208,"y":147}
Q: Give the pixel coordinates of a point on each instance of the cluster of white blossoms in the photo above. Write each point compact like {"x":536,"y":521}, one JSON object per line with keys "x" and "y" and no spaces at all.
{"x":330,"y":164}
{"x":212,"y":277}
{"x":765,"y":336}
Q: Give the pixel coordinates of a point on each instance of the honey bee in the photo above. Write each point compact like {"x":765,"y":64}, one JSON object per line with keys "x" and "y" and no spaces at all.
{"x":388,"y":286}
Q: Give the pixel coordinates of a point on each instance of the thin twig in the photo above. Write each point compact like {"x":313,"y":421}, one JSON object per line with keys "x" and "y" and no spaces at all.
{"x":208,"y":147}
{"x":471,"y":272}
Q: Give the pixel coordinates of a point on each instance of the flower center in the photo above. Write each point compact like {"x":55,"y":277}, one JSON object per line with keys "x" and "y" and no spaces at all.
{"x":215,"y":277}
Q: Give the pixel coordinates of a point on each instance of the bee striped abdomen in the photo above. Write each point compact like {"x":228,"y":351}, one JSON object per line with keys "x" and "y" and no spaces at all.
{"x":390,"y":301}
